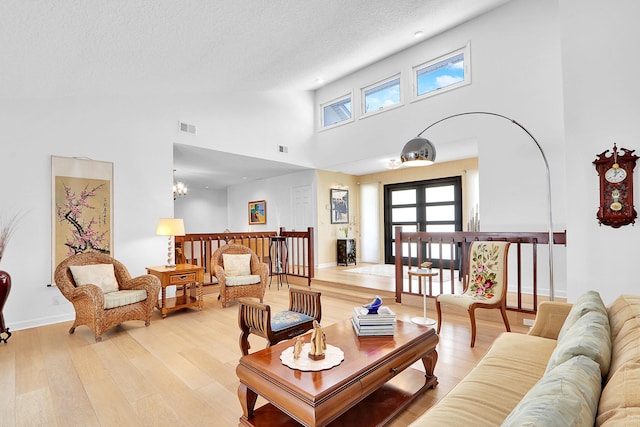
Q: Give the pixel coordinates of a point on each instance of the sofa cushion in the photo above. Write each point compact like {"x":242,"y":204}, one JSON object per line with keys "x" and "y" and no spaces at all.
{"x":587,"y":302}
{"x":513,"y":364}
{"x":566,"y":396}
{"x":101,"y":275}
{"x":589,"y":336}
{"x":621,"y":397}
{"x":626,"y":346}
{"x":126,"y":297}
{"x":236,"y":264}
{"x":625,"y":307}
{"x":242,"y":280}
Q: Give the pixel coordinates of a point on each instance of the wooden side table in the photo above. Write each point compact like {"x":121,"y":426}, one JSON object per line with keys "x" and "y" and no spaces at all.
{"x":190,"y":276}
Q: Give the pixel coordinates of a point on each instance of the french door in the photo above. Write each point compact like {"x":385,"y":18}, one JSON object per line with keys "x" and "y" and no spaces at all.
{"x":434,"y":205}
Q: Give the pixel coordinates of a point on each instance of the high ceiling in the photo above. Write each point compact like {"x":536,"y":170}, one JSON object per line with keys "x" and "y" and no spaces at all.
{"x":132,"y":47}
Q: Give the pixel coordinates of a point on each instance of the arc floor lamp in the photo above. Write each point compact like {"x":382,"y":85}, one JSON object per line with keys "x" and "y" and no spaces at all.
{"x":420,"y":151}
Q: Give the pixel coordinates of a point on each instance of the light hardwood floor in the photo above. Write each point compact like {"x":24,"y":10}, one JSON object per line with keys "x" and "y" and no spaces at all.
{"x":180,"y":370}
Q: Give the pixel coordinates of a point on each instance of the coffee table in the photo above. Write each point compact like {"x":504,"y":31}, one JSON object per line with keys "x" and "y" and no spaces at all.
{"x":369,"y":387}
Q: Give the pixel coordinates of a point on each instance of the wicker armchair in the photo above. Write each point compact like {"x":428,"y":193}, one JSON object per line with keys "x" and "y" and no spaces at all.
{"x":89,"y":300}
{"x":230,"y":289}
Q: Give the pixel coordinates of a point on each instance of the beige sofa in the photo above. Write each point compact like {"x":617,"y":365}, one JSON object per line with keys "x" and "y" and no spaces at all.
{"x":578,"y":366}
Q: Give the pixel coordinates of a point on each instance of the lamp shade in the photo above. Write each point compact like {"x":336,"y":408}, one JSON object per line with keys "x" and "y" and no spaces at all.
{"x":418,"y":152}
{"x":170,"y":227}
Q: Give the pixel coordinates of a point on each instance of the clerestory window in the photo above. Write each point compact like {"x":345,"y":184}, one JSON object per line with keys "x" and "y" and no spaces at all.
{"x":442,"y":74}
{"x":336,"y":112}
{"x":381,"y":95}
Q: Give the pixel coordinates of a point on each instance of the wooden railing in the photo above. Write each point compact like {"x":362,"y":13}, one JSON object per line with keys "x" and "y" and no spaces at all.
{"x":198,"y":248}
{"x":452,"y":251}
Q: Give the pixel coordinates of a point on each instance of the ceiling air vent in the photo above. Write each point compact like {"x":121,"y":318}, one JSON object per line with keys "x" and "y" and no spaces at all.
{"x":283,"y":149}
{"x":186,"y":127}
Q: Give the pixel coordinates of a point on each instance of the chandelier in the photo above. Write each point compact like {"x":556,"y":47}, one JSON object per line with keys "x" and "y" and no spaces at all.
{"x":179,"y":189}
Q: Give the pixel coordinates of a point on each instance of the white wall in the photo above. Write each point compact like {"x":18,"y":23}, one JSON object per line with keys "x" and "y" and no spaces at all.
{"x":540,"y":62}
{"x":516,"y":71}
{"x":277,"y":192}
{"x":601,"y":94}
{"x":203,"y":211}
{"x":137,"y":135}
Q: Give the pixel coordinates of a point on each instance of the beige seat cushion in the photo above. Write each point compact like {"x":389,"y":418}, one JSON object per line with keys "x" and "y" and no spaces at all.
{"x":101,"y":275}
{"x":513,"y":364}
{"x":236,"y":264}
{"x":120,"y":298}
{"x":249,"y":279}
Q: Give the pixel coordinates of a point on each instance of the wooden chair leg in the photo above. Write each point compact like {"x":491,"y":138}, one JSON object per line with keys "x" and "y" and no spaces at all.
{"x":439,"y":311}
{"x":472,"y":317}
{"x":503,"y":310}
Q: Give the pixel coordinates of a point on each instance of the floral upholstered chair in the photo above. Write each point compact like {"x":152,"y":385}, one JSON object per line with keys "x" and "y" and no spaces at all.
{"x":239,"y":273}
{"x":487,"y":284}
{"x":103,"y":293}
{"x":255,"y":318}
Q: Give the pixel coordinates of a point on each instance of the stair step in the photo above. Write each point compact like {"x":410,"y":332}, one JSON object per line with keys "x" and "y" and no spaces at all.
{"x":349,"y":292}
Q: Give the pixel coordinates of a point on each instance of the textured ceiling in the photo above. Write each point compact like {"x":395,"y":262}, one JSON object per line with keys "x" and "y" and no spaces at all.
{"x":69,"y":47}
{"x":111,"y":47}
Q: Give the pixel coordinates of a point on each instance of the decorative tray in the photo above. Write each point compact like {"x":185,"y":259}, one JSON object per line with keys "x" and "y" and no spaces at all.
{"x":333,"y":357}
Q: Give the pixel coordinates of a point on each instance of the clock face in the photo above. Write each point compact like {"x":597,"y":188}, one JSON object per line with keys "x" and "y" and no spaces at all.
{"x":615,"y":175}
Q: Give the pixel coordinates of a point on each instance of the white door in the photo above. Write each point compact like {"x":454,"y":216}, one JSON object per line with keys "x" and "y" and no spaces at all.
{"x":302,"y":208}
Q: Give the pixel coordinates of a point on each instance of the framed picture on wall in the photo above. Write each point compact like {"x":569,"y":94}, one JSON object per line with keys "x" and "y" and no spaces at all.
{"x":81,"y":207}
{"x":258,"y":212}
{"x":339,"y":206}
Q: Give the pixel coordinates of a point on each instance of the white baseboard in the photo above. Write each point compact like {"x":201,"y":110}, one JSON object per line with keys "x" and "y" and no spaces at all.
{"x":42,"y":321}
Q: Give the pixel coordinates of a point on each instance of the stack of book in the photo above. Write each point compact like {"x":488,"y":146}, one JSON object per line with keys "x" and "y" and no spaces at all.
{"x":367,"y":324}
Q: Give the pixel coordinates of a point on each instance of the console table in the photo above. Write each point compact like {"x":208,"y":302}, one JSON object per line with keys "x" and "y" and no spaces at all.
{"x":189,"y":276}
{"x":346,"y":251}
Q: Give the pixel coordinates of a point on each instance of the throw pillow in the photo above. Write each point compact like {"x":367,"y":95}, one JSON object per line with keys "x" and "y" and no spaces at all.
{"x":101,"y":275}
{"x":589,"y":301}
{"x":237,"y":264}
{"x":589,"y":336}
{"x":566,"y":396}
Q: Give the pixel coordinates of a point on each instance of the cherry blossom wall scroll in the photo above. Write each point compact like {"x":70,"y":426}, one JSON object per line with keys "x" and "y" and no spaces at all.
{"x":81,"y":207}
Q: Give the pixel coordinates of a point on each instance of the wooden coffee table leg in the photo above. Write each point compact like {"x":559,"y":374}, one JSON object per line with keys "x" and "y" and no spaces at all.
{"x":248,"y":400}
{"x":429,"y":362}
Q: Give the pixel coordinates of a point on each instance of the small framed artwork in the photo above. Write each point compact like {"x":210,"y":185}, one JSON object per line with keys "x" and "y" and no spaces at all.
{"x":258,"y":212}
{"x":339,"y":206}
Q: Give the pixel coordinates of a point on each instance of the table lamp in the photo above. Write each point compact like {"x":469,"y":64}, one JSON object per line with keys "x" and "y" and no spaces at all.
{"x":170,"y":227}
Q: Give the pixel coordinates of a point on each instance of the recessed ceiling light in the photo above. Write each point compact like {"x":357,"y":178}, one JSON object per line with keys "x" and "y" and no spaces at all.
{"x":319,"y":80}
{"x":418,"y":34}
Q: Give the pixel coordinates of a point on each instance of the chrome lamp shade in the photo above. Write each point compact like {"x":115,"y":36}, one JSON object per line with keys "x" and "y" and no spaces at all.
{"x":418,"y":152}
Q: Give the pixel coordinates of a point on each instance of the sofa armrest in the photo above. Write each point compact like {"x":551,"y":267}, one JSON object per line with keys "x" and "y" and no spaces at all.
{"x":550,"y":318}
